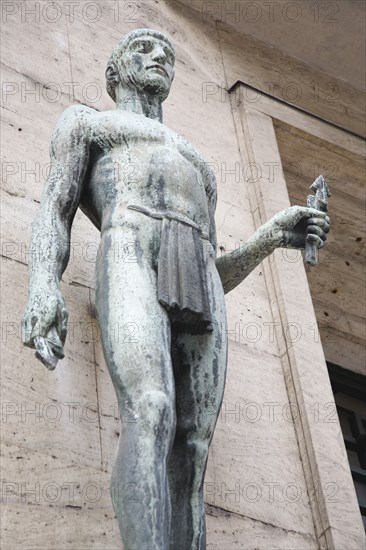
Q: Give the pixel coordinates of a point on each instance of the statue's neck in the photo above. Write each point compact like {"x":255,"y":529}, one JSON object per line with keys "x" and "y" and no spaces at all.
{"x":134,"y":101}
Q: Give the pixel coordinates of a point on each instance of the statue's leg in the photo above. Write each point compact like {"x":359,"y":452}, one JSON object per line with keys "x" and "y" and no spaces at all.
{"x":199,"y":369}
{"x":136,"y":342}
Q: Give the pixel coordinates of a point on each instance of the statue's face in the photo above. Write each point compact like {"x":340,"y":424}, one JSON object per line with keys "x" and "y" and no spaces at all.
{"x":148,"y":64}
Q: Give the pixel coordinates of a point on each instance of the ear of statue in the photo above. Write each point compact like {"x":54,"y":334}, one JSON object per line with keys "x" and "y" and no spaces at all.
{"x":111,"y":73}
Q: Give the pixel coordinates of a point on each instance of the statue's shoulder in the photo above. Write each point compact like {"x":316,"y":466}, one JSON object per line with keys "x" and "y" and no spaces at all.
{"x":74,"y":126}
{"x":76,"y":120}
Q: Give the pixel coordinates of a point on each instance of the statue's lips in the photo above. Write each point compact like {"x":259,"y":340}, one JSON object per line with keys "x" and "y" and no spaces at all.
{"x":160,"y":68}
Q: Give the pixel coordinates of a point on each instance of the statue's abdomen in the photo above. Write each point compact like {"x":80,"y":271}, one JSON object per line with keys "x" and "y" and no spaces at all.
{"x":150,"y":175}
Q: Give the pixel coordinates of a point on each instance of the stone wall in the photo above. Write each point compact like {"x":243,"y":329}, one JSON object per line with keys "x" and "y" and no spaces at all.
{"x":60,"y":429}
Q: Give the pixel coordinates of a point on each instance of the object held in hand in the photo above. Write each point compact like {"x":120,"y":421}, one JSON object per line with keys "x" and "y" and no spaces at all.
{"x":319,"y":202}
{"x":49,"y":350}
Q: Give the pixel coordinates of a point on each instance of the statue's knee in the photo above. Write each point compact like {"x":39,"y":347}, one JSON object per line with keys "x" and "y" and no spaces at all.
{"x":157,"y":411}
{"x":192,"y":435}
{"x":194,"y":444}
{"x":196,"y":451}
{"x":199,"y":448}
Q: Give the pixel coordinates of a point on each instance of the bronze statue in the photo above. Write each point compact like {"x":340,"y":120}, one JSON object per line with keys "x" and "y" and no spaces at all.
{"x":174,"y":291}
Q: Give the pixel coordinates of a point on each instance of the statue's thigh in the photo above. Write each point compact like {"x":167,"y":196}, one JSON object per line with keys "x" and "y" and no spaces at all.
{"x":200,"y":363}
{"x":134,"y":327}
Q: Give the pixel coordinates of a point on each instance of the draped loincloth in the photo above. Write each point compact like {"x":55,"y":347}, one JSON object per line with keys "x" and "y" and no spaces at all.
{"x":182,"y":276}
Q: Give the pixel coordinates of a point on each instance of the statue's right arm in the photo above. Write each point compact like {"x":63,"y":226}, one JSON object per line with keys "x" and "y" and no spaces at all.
{"x":50,"y":244}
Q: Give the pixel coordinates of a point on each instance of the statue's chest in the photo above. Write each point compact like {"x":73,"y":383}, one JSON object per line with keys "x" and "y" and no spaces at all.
{"x":128,"y":132}
{"x":145,"y":140}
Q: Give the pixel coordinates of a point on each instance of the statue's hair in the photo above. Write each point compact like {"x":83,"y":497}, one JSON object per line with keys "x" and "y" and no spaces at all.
{"x":123,"y":45}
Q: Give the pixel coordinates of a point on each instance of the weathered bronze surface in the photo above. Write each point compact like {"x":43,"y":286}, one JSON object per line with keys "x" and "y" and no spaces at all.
{"x":140,"y":183}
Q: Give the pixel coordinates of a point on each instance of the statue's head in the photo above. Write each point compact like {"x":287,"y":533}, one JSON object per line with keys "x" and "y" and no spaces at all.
{"x":144,"y":60}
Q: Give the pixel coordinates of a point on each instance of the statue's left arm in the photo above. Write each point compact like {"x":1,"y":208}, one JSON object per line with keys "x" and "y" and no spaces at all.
{"x":291,"y":228}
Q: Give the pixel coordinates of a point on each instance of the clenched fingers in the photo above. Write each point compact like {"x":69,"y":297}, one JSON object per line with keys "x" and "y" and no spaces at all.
{"x":61,"y":324}
{"x":32,"y":326}
{"x":315,"y":230}
{"x":319,"y":227}
{"x":313,"y":238}
{"x":324,"y":223}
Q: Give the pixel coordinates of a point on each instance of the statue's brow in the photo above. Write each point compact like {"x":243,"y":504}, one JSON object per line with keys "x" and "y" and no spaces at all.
{"x":167,"y":47}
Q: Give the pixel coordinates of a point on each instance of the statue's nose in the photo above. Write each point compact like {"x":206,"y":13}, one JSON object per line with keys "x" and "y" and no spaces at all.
{"x":158,"y":54}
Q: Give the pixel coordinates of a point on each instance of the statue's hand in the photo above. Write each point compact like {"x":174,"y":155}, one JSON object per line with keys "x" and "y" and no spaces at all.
{"x":297,"y":225}
{"x":46,"y":309}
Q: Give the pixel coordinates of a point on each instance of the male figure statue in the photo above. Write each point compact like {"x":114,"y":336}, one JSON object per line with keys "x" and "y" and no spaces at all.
{"x":141,"y":183}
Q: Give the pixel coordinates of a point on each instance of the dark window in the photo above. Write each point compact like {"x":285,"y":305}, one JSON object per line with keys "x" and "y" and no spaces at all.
{"x":349,"y":390}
